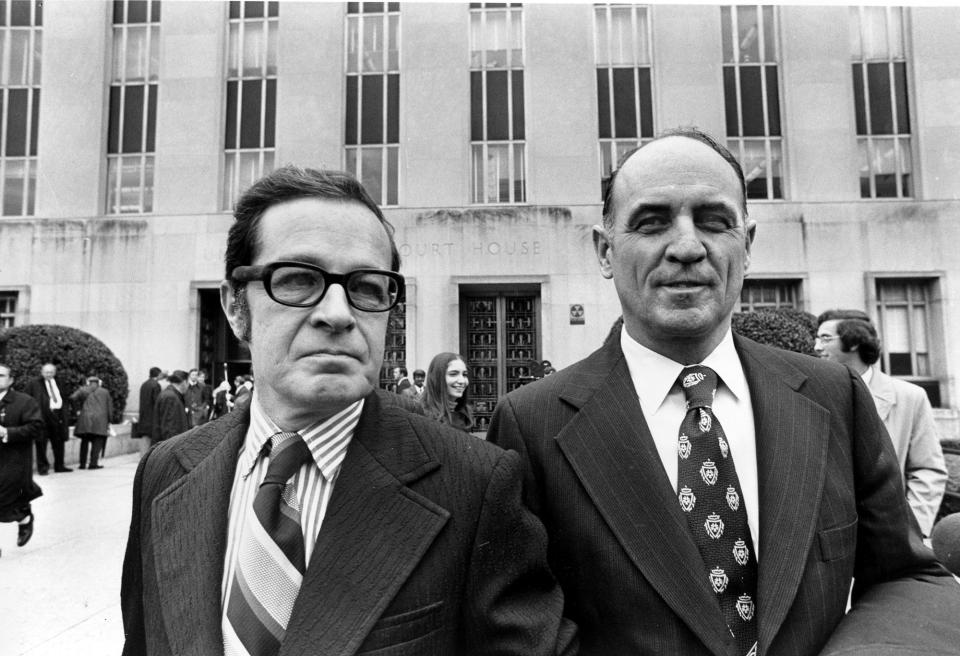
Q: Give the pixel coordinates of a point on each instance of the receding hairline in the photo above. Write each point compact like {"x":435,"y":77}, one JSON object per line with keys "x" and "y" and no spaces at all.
{"x":691,"y":134}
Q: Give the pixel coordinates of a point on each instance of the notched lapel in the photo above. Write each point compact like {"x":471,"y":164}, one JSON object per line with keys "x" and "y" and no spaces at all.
{"x":375,"y":533}
{"x":792,"y":434}
{"x":189,"y":534}
{"x":610,"y":448}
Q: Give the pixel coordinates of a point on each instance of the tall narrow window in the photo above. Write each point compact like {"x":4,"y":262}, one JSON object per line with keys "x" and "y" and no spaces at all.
{"x":751,"y":91}
{"x":624,"y":97}
{"x":373,"y":97}
{"x":20,"y":47}
{"x":8,"y":309}
{"x":251,"y":95}
{"x":906,"y":324}
{"x":498,"y":150}
{"x":133,"y":106}
{"x":880,"y":99}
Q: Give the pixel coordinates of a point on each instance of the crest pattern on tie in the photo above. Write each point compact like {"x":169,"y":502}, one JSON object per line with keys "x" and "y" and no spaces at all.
{"x":271,"y":561}
{"x":710,"y":498}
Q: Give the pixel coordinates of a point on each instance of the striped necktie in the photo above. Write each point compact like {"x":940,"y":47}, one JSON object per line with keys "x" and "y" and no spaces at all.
{"x":711,"y":500}
{"x":271,"y":562}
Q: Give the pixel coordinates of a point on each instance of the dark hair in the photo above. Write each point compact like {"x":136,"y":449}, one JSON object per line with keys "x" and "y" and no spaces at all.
{"x":831,"y":315}
{"x":420,"y":371}
{"x":435,"y":391}
{"x":856,"y":332}
{"x":403,"y":370}
{"x":690,"y":133}
{"x":177,"y":376}
{"x":862,"y":336}
{"x":290,"y":183}
{"x":154,"y":372}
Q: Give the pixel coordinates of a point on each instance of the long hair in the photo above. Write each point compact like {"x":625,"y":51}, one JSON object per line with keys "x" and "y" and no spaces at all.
{"x":435,"y":391}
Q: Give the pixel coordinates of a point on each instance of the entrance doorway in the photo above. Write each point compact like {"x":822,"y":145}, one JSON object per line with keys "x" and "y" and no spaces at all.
{"x":500,"y":337}
{"x":219,"y":352}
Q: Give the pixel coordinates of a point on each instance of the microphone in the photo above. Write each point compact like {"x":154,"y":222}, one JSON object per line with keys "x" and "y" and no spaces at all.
{"x":945,"y":539}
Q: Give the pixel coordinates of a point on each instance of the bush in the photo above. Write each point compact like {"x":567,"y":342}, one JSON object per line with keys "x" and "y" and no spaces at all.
{"x":785,"y":328}
{"x":76,"y":354}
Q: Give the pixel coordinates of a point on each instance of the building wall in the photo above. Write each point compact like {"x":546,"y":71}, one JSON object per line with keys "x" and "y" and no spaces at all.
{"x":132,"y":280}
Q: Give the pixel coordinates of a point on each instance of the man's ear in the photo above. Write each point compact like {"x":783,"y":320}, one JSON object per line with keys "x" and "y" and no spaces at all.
{"x":235,"y":309}
{"x":749,"y":232}
{"x":602,"y":247}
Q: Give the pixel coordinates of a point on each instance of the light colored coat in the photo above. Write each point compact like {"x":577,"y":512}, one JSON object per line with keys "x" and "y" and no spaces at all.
{"x":907,"y":414}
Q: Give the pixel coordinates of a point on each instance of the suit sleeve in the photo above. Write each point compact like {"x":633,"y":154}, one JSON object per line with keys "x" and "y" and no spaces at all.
{"x":925,"y":471}
{"x":901,"y":596}
{"x":514,"y":603}
{"x":30,"y":424}
{"x":506,"y":433}
{"x":131,"y":584}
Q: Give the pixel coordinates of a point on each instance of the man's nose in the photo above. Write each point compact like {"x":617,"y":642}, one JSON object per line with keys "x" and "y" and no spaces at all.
{"x":685,"y":242}
{"x":334,"y":310}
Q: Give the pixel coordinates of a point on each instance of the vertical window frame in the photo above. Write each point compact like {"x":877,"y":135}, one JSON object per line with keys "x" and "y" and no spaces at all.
{"x":142,"y":158}
{"x":514,"y":147}
{"x":613,"y":147}
{"x":386,"y":190}
{"x":236,"y":156}
{"x":29,"y":81}
{"x":769,"y":49}
{"x":895,"y":20}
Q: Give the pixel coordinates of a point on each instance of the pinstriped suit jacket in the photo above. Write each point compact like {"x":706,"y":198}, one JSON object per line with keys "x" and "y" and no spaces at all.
{"x":426,"y":547}
{"x":831,"y":507}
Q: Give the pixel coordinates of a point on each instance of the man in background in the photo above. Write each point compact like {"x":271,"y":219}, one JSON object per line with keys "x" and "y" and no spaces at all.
{"x":197,"y":398}
{"x":850,"y":338}
{"x":170,"y":416}
{"x":20,"y":425}
{"x":419,"y":378}
{"x":149,"y":391}
{"x":46,"y":391}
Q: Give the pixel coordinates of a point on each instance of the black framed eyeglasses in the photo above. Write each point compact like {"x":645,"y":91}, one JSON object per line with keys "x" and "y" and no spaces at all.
{"x":299,"y":284}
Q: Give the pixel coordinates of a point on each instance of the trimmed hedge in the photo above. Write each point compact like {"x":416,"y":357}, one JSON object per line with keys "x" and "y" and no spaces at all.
{"x":785,"y":328}
{"x":76,"y":354}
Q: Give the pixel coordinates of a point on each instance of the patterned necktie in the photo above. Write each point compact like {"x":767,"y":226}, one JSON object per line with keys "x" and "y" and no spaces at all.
{"x":712,"y":502}
{"x":271,"y":562}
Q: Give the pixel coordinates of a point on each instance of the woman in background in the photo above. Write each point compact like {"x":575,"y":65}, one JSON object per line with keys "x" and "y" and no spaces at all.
{"x":446,"y":396}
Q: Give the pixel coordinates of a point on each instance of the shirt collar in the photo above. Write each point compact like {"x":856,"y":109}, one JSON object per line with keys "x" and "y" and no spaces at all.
{"x":867,"y":375}
{"x":654,"y":375}
{"x":327,"y":439}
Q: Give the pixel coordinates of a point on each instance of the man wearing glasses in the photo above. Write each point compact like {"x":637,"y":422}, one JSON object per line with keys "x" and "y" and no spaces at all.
{"x":324,"y":518}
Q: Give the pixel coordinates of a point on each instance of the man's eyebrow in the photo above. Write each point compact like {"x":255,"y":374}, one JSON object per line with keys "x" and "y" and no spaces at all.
{"x":715,"y":206}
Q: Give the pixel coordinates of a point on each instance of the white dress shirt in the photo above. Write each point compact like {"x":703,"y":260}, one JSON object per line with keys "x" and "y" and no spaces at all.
{"x":328,"y":441}
{"x":664,"y":407}
{"x":56,"y":400}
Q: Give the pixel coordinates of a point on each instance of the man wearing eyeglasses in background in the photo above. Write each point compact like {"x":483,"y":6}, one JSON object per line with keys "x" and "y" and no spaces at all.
{"x":325,"y":518}
{"x":848,"y":337}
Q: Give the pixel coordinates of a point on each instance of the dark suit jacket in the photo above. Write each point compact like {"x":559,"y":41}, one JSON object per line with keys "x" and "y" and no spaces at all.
{"x":169,"y":415}
{"x":831,"y":507}
{"x":149,"y":391}
{"x":55,"y":421}
{"x":426,"y":547}
{"x":20,"y":415}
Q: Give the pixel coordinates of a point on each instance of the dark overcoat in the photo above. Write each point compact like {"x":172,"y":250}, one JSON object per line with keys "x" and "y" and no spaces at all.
{"x":20,"y":415}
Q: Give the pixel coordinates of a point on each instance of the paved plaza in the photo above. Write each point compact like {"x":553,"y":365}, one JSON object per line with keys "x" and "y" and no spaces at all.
{"x":60,"y":594}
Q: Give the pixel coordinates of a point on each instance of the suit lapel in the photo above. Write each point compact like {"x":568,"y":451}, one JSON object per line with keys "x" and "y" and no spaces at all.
{"x":883,"y":395}
{"x":190,"y":534}
{"x":610,"y":448}
{"x":792,"y":433}
{"x":375,"y":532}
